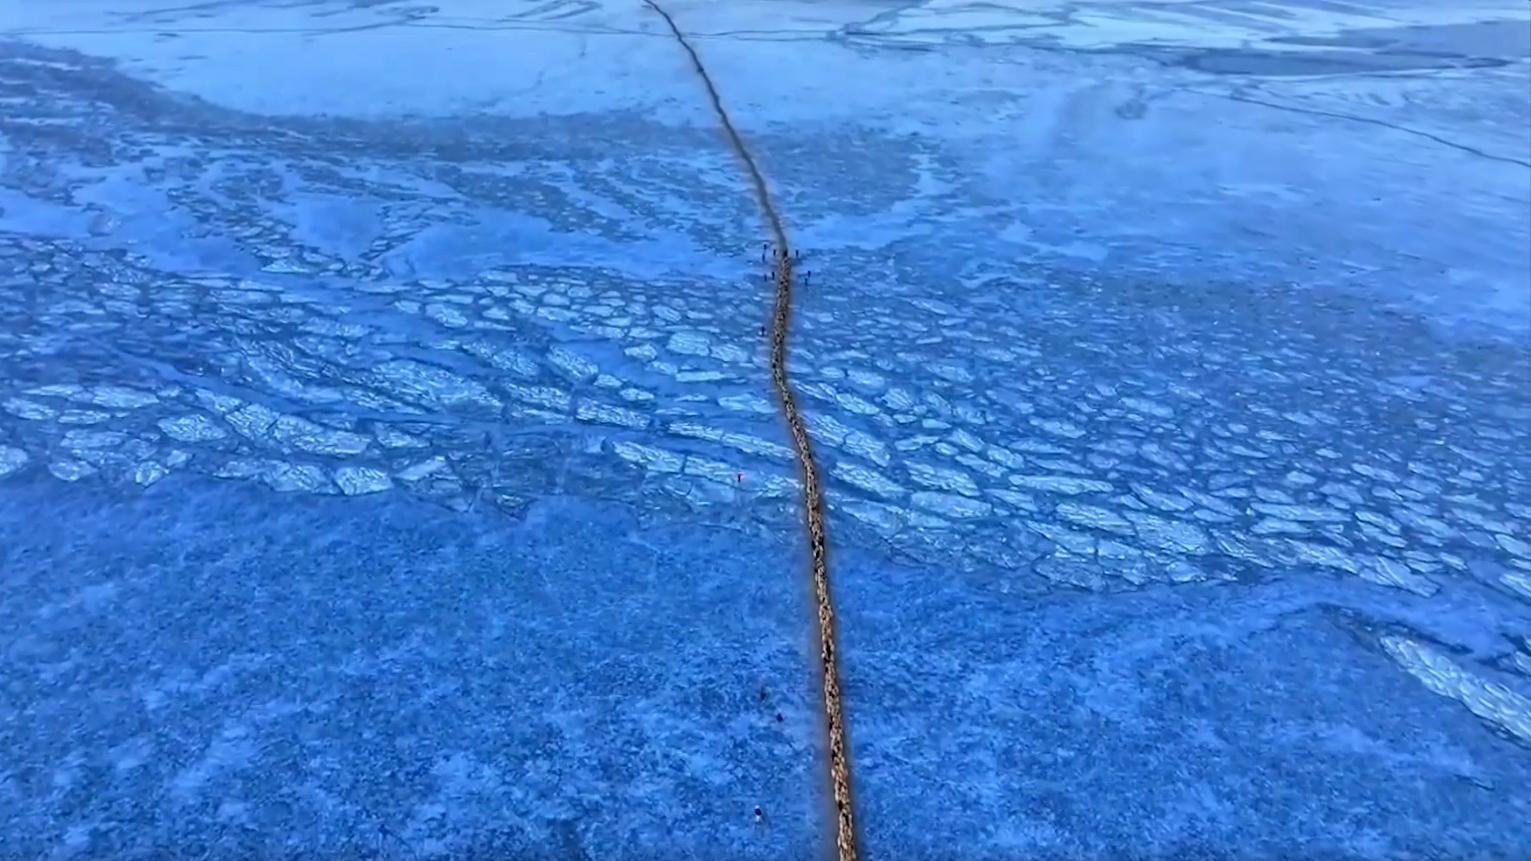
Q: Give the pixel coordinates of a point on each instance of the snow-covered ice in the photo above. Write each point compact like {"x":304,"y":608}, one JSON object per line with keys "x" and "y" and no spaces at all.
{"x":389,"y":465}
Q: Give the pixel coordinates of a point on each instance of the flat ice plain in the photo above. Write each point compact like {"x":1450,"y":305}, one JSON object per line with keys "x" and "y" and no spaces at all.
{"x":377,"y":380}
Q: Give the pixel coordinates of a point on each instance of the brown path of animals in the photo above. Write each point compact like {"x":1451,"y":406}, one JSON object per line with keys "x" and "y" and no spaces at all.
{"x":813,"y":494}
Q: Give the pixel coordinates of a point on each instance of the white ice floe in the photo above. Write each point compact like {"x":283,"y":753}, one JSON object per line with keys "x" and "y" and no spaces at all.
{"x":358,"y":480}
{"x":1489,"y":700}
{"x":191,"y":428}
{"x":11,"y":459}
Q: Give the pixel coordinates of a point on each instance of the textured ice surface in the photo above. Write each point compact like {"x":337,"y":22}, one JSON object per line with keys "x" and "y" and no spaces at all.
{"x":364,"y":677}
{"x":1167,"y":365}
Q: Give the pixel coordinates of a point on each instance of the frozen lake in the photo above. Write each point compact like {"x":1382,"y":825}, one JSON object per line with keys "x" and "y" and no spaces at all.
{"x":389,"y":466}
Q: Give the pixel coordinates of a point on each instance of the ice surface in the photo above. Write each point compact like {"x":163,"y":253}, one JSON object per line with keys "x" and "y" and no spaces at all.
{"x":1166,"y":363}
